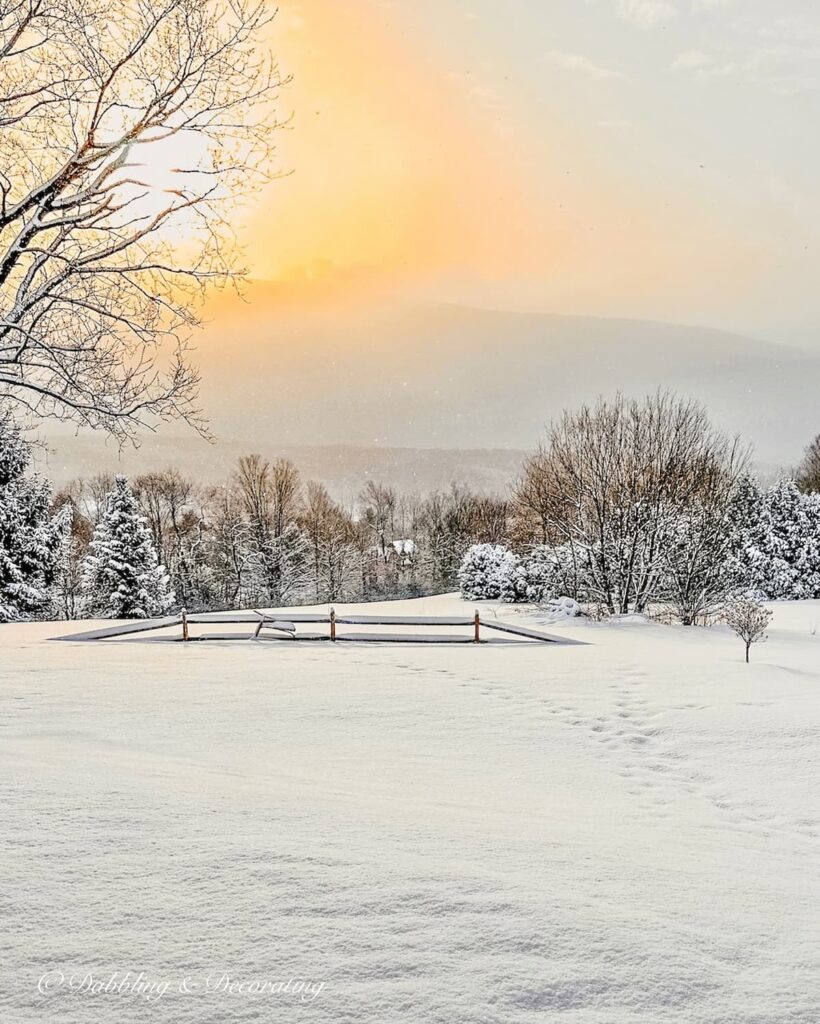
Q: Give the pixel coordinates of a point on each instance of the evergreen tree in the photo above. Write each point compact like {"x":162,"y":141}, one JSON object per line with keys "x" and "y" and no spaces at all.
{"x":789,"y":562}
{"x":809,"y":558}
{"x":750,"y":528}
{"x":30,"y":538}
{"x":776,"y":541}
{"x":122,"y":576}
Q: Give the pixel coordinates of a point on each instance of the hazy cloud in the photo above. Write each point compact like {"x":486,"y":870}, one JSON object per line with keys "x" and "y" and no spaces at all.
{"x":647,"y":13}
{"x":786,"y":69}
{"x":709,"y":5}
{"x":616,"y":124}
{"x":693,"y":60}
{"x":583,"y":65}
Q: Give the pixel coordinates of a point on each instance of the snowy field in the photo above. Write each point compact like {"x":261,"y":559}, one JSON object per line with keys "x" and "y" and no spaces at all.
{"x":627,"y":831}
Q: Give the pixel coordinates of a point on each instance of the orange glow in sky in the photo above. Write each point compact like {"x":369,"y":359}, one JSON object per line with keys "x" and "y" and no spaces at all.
{"x":395,"y":169}
{"x":406,"y":168}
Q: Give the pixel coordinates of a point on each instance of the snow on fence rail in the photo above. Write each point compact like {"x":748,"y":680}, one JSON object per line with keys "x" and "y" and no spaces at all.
{"x":286,"y":628}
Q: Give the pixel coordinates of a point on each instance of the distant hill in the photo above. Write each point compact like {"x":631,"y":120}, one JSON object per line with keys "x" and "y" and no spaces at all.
{"x":449,"y":377}
{"x":341,"y":389}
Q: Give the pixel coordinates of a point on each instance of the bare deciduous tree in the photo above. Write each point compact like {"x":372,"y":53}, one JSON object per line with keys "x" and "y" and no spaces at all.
{"x":748,"y":617}
{"x":448,"y":522}
{"x":68,"y":585}
{"x":170,"y":503}
{"x":490,"y":520}
{"x":270,"y":494}
{"x":97,"y":97}
{"x":335,"y":543}
{"x":229,"y":545}
{"x":808,"y":473}
{"x":609,"y":482}
{"x":285,"y":492}
{"x":94,"y":491}
{"x":377,"y":504}
{"x":697,"y":542}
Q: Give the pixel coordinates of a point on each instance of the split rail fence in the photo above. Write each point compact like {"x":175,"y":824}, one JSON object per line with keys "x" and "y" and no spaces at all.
{"x":302,"y":628}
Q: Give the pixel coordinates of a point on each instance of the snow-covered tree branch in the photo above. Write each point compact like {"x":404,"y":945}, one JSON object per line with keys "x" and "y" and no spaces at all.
{"x":615,"y":483}
{"x":125,"y":126}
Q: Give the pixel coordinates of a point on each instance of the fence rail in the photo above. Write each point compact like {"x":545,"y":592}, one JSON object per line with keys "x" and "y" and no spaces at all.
{"x":285,"y":628}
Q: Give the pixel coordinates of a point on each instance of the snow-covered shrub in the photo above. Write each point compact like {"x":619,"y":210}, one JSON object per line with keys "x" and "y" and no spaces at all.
{"x":30,"y":538}
{"x":489,"y":572}
{"x":549,"y":572}
{"x":563,"y":608}
{"x":122,"y":576}
{"x":493,"y":572}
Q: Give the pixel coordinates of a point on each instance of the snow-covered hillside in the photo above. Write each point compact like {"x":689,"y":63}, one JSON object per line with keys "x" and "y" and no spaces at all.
{"x":627,"y":831}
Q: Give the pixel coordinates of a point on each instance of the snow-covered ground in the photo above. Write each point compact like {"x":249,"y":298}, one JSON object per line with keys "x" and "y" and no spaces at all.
{"x":620,"y":832}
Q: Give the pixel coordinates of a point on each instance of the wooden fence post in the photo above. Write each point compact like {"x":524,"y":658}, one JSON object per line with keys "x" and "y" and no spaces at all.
{"x":477,"y":623}
{"x":185,"y":625}
{"x":332,"y":623}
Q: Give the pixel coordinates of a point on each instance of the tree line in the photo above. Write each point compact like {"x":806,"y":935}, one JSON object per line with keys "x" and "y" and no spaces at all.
{"x":263,"y":537}
{"x":624,"y":505}
{"x":630,"y":504}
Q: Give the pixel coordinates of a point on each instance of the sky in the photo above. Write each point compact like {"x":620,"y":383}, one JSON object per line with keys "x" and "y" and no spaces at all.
{"x":655,"y":159}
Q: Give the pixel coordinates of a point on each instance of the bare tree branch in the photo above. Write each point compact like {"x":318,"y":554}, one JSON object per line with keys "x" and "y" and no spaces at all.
{"x":97,"y":295}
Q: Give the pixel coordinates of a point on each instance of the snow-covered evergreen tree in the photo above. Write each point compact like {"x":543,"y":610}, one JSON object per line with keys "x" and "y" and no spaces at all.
{"x":749,"y":529}
{"x":811,"y":551}
{"x":784,"y":542}
{"x":489,"y":572}
{"x":808,"y":554}
{"x":30,"y":538}
{"x":776,"y":542}
{"x":122,"y":575}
